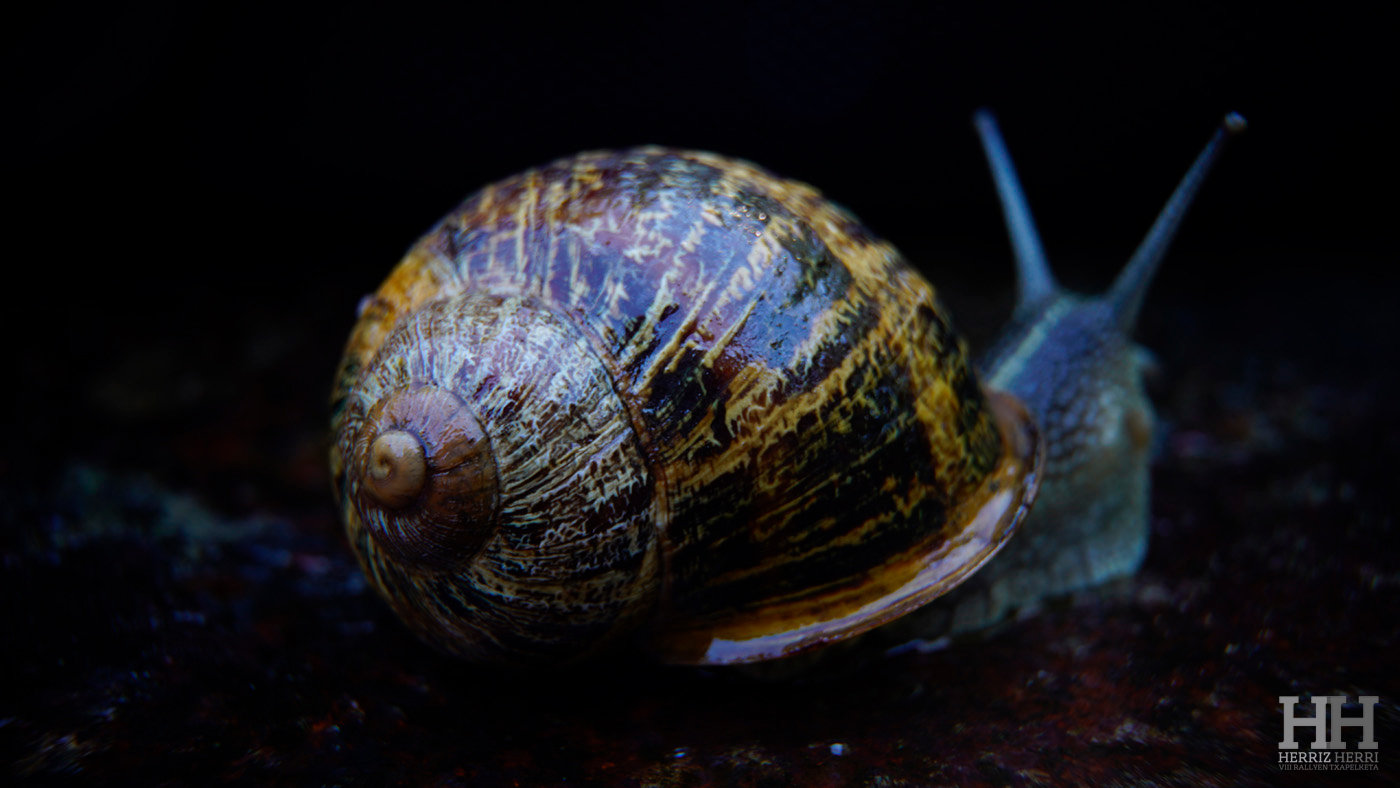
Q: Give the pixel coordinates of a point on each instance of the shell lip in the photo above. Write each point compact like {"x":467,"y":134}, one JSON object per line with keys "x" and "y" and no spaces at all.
{"x":990,"y":516}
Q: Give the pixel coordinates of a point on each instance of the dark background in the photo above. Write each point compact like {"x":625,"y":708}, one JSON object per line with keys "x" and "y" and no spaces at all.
{"x":181,"y":169}
{"x":199,"y":197}
{"x":178,"y":167}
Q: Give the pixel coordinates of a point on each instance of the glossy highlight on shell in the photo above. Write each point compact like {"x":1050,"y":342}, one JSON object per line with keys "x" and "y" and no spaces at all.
{"x":668,"y":396}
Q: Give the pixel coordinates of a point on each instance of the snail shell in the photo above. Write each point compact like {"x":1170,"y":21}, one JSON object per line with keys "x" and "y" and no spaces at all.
{"x":667,"y":392}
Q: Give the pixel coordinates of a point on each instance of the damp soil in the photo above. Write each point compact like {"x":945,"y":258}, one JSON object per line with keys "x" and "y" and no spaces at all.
{"x":180,"y":608}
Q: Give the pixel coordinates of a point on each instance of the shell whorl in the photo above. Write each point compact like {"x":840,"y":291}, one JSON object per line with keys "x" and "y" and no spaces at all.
{"x":424,"y":479}
{"x":534,"y":516}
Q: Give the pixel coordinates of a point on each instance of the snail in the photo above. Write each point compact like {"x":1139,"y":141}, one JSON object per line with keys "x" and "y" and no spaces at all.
{"x":668,"y":397}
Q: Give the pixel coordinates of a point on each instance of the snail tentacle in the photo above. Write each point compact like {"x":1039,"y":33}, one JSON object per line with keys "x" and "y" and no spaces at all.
{"x":1034,"y":280}
{"x":1130,"y":288}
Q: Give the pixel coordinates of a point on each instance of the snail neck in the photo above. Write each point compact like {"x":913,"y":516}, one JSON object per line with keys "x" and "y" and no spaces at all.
{"x":1068,"y":361}
{"x":1080,"y":377}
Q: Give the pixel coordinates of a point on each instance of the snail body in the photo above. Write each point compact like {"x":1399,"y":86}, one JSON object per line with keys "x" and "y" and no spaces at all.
{"x":669,"y":395}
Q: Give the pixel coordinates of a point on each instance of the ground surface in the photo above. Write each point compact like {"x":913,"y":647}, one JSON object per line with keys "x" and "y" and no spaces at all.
{"x":180,"y":608}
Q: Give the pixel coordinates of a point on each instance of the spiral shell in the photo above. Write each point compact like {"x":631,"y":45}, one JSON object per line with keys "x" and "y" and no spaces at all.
{"x":669,"y":393}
